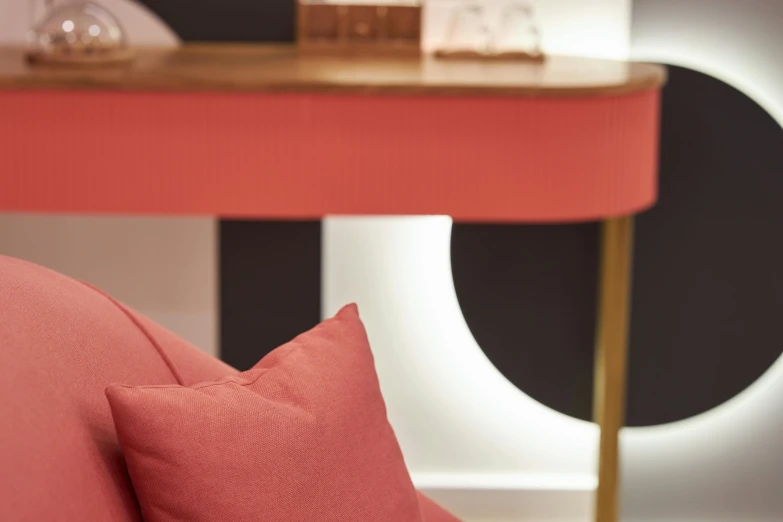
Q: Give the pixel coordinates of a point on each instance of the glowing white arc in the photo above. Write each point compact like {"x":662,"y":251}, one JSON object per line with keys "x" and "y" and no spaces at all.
{"x":452,"y":409}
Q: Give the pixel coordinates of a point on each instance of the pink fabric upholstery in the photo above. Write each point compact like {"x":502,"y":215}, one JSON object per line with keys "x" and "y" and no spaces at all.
{"x":61,"y":344}
{"x":302,"y":436}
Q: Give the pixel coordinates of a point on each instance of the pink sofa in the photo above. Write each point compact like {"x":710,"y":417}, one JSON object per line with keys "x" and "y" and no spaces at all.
{"x":61,"y":343}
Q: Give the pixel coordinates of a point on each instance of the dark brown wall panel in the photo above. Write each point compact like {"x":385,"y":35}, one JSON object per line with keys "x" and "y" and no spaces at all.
{"x":270,"y":286}
{"x":707,"y":285}
{"x":228,"y":20}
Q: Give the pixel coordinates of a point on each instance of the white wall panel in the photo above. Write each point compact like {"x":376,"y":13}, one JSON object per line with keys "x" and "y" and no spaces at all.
{"x":469,"y":436}
{"x":164,"y":267}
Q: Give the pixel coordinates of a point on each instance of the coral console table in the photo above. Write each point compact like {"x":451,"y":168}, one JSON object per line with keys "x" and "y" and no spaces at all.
{"x":257,"y":131}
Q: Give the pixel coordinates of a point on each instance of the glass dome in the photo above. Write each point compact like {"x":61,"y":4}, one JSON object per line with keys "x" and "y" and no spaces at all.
{"x":81,"y":32}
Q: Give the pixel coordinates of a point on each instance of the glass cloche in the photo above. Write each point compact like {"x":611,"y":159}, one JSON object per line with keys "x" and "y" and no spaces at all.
{"x":78,"y":33}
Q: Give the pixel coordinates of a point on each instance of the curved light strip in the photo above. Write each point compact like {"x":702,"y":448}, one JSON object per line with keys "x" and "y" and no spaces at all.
{"x":759,"y":91}
{"x":453,"y":411}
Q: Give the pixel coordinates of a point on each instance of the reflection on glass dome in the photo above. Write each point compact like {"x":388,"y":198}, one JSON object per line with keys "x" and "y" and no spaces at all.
{"x":82,"y":32}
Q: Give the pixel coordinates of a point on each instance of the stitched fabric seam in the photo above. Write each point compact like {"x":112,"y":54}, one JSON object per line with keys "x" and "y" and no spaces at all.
{"x":221,"y":382}
{"x":161,"y":353}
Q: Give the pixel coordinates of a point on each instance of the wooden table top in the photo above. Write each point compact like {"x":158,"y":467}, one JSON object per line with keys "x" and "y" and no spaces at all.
{"x":278,"y":68}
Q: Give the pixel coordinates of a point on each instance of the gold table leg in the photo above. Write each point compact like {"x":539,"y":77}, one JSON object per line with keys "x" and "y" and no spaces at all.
{"x":611,"y":358}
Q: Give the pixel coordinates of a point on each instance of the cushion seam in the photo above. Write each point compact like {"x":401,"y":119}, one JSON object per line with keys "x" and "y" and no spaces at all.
{"x":224,"y":380}
{"x":161,"y":353}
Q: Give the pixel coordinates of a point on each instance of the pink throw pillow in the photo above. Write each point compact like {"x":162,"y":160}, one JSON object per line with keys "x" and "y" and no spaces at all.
{"x":302,"y":437}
